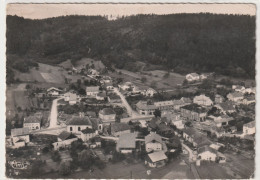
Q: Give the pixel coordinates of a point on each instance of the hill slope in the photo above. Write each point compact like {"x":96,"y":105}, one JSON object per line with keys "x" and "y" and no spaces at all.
{"x":183,"y":42}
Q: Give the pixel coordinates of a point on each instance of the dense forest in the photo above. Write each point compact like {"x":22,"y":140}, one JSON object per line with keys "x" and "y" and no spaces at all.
{"x":184,"y":43}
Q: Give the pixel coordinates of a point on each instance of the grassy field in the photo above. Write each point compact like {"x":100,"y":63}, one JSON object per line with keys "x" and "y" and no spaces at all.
{"x":84,"y":61}
{"x":152,"y":77}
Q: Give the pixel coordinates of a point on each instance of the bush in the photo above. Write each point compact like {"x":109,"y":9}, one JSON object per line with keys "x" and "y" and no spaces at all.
{"x":100,"y":164}
{"x":65,"y":168}
{"x":55,"y":156}
{"x":45,"y":150}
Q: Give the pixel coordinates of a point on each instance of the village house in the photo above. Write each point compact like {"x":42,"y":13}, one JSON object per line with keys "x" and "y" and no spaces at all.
{"x":226,"y":107}
{"x":164,"y":105}
{"x":118,"y":129}
{"x":156,"y":159}
{"x":194,"y":112}
{"x":107,"y":115}
{"x":192,"y":77}
{"x":92,"y":90}
{"x":150,"y":92}
{"x":64,"y":140}
{"x":235,"y":96}
{"x":93,"y":72}
{"x":87,"y":134}
{"x":207,"y":153}
{"x":196,"y":138}
{"x":97,"y":124}
{"x":153,"y":142}
{"x":53,"y":91}
{"x":106,"y":80}
{"x":126,"y":143}
{"x":70,"y":97}
{"x":143,"y":108}
{"x":249,"y":128}
{"x":239,"y":88}
{"x":20,"y":136}
{"x":125,"y":86}
{"x":249,"y":100}
{"x":32,"y":122}
{"x":202,"y":100}
{"x":222,"y":120}
{"x":186,"y":100}
{"x":250,"y":90}
{"x":77,"y":123}
{"x":101,"y":96}
{"x":219,"y":99}
{"x":108,"y":86}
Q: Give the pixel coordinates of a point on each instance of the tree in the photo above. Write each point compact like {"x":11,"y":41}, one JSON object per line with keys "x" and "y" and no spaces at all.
{"x":85,"y":159}
{"x":55,"y":156}
{"x":65,"y":168}
{"x":143,"y":79}
{"x":157,"y":113}
{"x":28,"y":86}
{"x":166,"y":75}
{"x":82,"y":91}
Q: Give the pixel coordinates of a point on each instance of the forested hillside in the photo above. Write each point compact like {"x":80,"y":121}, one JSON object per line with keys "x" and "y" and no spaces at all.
{"x":184,"y":43}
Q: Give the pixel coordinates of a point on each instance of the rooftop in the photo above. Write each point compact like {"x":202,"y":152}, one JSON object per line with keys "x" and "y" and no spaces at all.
{"x":64,"y":135}
{"x":107,"y":111}
{"x":20,"y":131}
{"x":92,"y":88}
{"x":195,"y":108}
{"x":117,"y":127}
{"x":250,"y":124}
{"x":157,"y":156}
{"x":77,"y":120}
{"x":88,"y":131}
{"x":126,"y":140}
{"x":144,"y":106}
{"x":32,"y":119}
{"x":205,"y":149}
{"x":153,"y":137}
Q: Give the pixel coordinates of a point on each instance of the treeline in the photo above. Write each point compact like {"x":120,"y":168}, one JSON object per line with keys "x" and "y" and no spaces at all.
{"x":184,"y":43}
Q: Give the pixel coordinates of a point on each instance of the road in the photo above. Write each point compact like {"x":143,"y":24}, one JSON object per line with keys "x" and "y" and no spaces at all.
{"x":54,"y":114}
{"x":130,"y":111}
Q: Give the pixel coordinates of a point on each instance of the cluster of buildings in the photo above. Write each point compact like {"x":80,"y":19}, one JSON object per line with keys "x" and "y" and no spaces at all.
{"x":193,"y":77}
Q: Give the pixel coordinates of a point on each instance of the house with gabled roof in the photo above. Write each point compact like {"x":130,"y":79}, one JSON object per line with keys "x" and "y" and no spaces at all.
{"x":207,"y":153}
{"x":53,"y":91}
{"x":87,"y":134}
{"x":71,"y":98}
{"x":202,"y":100}
{"x":118,"y":129}
{"x":156,"y":159}
{"x":77,"y":123}
{"x":192,"y":77}
{"x":144,"y":108}
{"x":153,"y":142}
{"x":194,"y":112}
{"x":249,"y":128}
{"x":226,"y":107}
{"x":20,"y":136}
{"x":195,"y":137}
{"x":164,"y":105}
{"x":126,"y":143}
{"x":235,"y":96}
{"x":92,"y":90}
{"x":107,"y":115}
{"x":32,"y":122}
{"x":64,"y":140}
{"x":249,"y":100}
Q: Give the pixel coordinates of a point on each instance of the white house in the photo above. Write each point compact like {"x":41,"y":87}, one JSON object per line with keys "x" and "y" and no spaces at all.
{"x":235,"y":96}
{"x":249,"y":128}
{"x":222,"y":120}
{"x":20,"y":136}
{"x":202,"y":100}
{"x":70,"y":97}
{"x":192,"y":77}
{"x":92,"y":90}
{"x":144,"y":108}
{"x":109,"y":86}
{"x":53,"y":91}
{"x":207,"y":153}
{"x":107,"y":115}
{"x":125,"y":86}
{"x":77,"y":123}
{"x":249,"y":100}
{"x":156,"y":159}
{"x":153,"y":142}
{"x":101,"y":96}
{"x":32,"y":122}
{"x":64,"y":140}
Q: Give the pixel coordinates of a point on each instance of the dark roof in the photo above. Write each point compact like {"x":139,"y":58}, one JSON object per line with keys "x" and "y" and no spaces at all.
{"x":95,"y":122}
{"x":88,"y":131}
{"x":195,"y":108}
{"x":227,"y":106}
{"x":20,"y":131}
{"x":32,"y":119}
{"x":76,"y":120}
{"x":64,"y":135}
{"x":91,"y":114}
{"x":117,"y":127}
{"x":198,"y":137}
{"x":153,"y":136}
{"x":102,"y":94}
{"x":163,"y":127}
{"x":107,"y":111}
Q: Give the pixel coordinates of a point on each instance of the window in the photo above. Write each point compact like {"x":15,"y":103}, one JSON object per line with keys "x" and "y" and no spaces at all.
{"x":70,"y":128}
{"x":78,"y":128}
